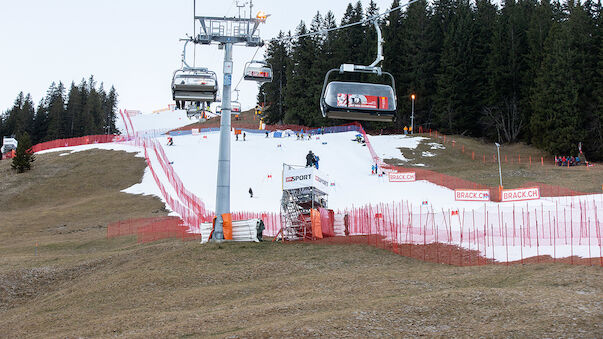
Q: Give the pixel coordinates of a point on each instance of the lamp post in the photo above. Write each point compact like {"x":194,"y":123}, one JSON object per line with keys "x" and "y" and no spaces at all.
{"x":499,"y":169}
{"x":412,"y":115}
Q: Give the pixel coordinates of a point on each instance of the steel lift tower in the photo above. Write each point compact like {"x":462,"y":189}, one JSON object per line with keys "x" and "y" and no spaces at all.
{"x":227,"y":32}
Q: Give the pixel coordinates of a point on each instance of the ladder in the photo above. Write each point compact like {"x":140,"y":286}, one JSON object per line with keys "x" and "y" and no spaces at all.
{"x":295,"y":220}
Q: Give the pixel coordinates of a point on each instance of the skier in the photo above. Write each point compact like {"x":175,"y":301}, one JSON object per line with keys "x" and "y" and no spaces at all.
{"x":250,"y":192}
{"x":170,"y":141}
{"x":310,"y":159}
{"x":316,"y":158}
{"x":244,"y":136}
{"x":266,"y":134}
{"x":372,"y":169}
{"x":236,"y":137}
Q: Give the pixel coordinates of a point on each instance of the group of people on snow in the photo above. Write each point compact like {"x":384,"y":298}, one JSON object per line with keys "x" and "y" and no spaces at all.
{"x":312,"y":160}
{"x":237,"y":136}
{"x":567,"y":161}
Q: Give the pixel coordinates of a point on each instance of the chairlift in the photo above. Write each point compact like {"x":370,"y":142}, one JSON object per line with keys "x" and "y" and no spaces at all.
{"x":259,"y":71}
{"x":360,"y":100}
{"x":236,"y":107}
{"x":193,"y":84}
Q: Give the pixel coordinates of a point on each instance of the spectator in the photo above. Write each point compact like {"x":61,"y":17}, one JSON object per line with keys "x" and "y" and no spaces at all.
{"x":310,"y":159}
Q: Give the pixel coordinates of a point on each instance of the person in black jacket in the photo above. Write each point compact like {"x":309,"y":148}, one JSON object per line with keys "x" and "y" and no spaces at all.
{"x":310,"y":159}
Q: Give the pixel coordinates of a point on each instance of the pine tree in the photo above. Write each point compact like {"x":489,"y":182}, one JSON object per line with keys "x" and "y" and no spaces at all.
{"x":24,"y":156}
{"x":15,"y":123}
{"x":73,"y":109}
{"x":299,"y":100}
{"x":111,"y":109}
{"x":456,"y":108}
{"x":416,"y":70}
{"x":56,"y":112}
{"x":277,"y":55}
{"x":40,"y":123}
{"x":556,"y":124}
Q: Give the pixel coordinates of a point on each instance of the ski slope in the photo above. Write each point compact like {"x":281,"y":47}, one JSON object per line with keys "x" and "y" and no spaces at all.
{"x":257,"y":163}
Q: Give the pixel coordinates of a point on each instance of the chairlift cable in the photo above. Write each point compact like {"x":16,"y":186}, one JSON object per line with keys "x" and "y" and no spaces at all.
{"x":361,"y":22}
{"x":242,"y":76}
{"x":194,"y":33}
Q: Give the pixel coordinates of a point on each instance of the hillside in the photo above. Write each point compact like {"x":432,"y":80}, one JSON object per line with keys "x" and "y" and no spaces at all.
{"x":82,"y":285}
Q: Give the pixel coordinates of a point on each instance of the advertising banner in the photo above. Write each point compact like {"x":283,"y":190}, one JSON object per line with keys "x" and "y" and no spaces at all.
{"x":472,"y":195}
{"x":402,"y":177}
{"x":362,"y":101}
{"x":521,"y":194}
{"x":294,"y":178}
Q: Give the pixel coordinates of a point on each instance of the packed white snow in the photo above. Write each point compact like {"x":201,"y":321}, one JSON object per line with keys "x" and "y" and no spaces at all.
{"x":257,"y":163}
{"x":388,"y":146}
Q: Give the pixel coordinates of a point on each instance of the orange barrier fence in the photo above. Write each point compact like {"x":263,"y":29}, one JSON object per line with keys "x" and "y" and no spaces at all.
{"x":151,"y":229}
{"x":515,"y":234}
{"x":85,"y":140}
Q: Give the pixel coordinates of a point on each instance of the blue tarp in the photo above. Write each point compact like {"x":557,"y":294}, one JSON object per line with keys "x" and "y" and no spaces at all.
{"x":278,"y":134}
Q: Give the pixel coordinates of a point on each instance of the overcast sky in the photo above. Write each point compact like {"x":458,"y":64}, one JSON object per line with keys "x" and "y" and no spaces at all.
{"x":130,"y":44}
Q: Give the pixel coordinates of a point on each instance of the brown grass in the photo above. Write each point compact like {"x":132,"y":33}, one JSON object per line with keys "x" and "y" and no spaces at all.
{"x":82,"y":285}
{"x":453,"y":161}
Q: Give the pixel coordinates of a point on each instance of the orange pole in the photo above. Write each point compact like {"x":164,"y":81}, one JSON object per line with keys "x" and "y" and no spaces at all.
{"x":505,"y":158}
{"x":519,"y":157}
{"x":530,"y":160}
{"x":472,"y":155}
{"x":542,"y":161}
{"x":463,"y":148}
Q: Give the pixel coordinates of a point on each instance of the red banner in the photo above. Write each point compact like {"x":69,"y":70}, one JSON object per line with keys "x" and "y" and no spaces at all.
{"x":362,"y":101}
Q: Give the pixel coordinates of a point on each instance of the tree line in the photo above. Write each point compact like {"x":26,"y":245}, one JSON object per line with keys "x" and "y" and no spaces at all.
{"x":83,"y":110}
{"x":525,"y":70}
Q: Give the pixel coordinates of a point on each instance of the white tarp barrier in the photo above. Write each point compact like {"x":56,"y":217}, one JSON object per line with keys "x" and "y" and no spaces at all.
{"x":294,"y":178}
{"x":339,"y":225}
{"x":242,"y":230}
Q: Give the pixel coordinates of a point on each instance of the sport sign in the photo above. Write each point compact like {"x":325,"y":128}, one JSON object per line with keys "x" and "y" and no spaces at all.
{"x":295,"y":178}
{"x":402,"y":177}
{"x":472,"y":195}
{"x":521,"y":194}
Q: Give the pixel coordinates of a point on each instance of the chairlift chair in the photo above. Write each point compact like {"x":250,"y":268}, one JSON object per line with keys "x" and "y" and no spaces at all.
{"x":194,"y":84}
{"x":358,"y":100}
{"x":236,"y":107}
{"x":259,"y":71}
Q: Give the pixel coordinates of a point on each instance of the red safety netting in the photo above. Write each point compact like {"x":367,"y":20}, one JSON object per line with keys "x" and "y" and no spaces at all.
{"x":504,"y":235}
{"x":131,"y":226}
{"x":85,"y":140}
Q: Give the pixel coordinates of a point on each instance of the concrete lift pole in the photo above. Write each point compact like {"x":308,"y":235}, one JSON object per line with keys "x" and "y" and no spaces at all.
{"x":227,"y":32}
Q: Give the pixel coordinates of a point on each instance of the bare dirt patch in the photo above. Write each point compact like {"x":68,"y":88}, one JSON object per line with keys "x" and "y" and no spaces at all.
{"x":453,"y":161}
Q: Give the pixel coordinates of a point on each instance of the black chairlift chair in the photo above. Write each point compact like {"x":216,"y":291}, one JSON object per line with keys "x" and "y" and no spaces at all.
{"x":360,"y":100}
{"x":357,"y":100}
{"x":259,"y":71}
{"x":194,"y":84}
